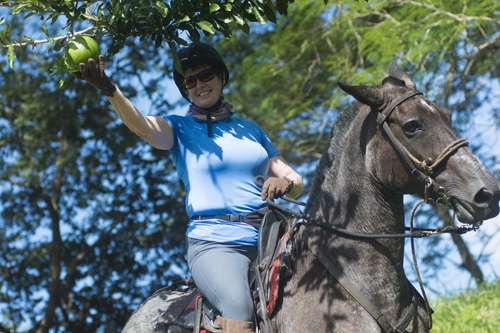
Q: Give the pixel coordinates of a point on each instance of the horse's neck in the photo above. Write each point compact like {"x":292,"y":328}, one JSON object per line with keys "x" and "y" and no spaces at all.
{"x":352,"y":202}
{"x":365,"y":210}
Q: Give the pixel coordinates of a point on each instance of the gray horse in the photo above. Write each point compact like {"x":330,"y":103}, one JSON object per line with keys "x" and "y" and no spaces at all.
{"x":347,"y":273}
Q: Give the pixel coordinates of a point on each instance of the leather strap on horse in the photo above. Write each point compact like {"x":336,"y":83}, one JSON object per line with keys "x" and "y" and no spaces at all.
{"x":349,"y":286}
{"x":198,"y":315}
{"x":382,"y":116}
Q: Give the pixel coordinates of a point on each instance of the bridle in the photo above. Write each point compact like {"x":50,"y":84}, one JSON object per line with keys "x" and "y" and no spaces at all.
{"x":423,"y":172}
{"x":420,"y":169}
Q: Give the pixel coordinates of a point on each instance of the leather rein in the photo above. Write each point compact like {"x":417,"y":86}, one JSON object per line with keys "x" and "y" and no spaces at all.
{"x":423,"y":171}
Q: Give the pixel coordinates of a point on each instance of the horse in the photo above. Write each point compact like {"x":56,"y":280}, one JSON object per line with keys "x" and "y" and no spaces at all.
{"x":346,"y":252}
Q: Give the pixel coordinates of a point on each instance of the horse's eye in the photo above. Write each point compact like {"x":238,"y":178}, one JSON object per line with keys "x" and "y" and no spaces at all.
{"x":411,"y":127}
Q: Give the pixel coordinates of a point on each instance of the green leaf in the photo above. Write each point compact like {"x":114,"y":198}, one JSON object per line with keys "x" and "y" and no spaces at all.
{"x":58,"y":45}
{"x":245,"y":27}
{"x":270,"y":13}
{"x":6,"y":32}
{"x":214,"y":8}
{"x":163,"y":6}
{"x":158,"y":41}
{"x":282,"y":6}
{"x":206,"y":26}
{"x":11,"y":56}
{"x":261,"y":19}
{"x":45,"y":31}
{"x":239,"y":20}
{"x":186,"y":18}
{"x":177,"y":61}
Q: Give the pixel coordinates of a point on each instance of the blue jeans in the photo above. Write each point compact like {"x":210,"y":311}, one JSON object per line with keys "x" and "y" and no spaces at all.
{"x":220,"y":271}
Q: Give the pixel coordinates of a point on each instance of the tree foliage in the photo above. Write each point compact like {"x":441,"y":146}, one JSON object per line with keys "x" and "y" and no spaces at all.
{"x":92,"y":218}
{"x":154,"y":22}
{"x":447,"y":46}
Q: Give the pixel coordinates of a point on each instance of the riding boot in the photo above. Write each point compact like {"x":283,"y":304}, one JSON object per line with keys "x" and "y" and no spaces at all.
{"x":235,"y":326}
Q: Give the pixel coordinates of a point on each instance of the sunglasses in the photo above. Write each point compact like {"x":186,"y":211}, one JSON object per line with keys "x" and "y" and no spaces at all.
{"x":204,"y":76}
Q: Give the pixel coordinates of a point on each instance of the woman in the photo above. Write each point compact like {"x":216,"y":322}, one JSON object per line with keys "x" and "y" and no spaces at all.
{"x":217,"y":157}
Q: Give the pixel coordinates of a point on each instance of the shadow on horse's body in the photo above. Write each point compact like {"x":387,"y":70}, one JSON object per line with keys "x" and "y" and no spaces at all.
{"x":359,"y":186}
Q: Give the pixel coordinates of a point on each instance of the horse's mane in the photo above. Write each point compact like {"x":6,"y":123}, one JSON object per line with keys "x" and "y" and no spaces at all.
{"x":338,"y":134}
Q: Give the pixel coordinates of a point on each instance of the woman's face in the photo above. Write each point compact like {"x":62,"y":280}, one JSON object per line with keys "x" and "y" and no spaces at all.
{"x":204,"y":94}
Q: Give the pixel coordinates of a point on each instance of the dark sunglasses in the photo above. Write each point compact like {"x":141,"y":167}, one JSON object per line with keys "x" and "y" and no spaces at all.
{"x":204,"y":76}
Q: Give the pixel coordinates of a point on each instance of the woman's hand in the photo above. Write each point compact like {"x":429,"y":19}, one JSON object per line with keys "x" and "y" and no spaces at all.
{"x":95,"y":76}
{"x":276,"y":188}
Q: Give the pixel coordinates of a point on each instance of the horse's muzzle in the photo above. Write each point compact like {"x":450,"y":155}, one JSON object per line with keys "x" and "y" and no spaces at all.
{"x":483,"y":206}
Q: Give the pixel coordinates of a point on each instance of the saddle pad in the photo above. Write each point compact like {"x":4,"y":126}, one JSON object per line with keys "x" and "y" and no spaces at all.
{"x":182,"y":314}
{"x":274,"y":276}
{"x":182,"y":311}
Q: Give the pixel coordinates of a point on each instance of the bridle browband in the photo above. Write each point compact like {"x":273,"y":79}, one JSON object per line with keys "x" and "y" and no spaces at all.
{"x":424,"y":173}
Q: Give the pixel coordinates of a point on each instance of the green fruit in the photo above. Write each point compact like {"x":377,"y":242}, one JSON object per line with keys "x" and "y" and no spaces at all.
{"x":79,"y":50}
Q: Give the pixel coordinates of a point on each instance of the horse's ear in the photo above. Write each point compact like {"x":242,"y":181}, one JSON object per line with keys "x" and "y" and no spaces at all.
{"x":398,"y":72}
{"x":372,"y":96}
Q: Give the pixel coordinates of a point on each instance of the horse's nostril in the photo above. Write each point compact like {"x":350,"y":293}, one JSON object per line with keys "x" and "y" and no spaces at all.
{"x":483,"y":196}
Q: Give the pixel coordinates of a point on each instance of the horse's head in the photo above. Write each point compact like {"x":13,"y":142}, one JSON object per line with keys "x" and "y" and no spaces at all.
{"x":425,"y":154}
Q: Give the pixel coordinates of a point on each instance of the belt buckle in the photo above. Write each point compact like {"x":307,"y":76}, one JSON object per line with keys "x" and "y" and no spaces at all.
{"x":234,"y":218}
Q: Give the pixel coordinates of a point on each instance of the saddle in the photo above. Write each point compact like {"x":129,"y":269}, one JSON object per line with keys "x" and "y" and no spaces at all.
{"x":188,"y":313}
{"x":192,"y":313}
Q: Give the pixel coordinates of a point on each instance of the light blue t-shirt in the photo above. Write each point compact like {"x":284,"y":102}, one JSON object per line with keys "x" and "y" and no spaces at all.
{"x":218,"y":173}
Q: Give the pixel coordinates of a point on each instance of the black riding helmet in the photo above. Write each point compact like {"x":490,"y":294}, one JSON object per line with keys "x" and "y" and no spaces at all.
{"x":195,"y":55}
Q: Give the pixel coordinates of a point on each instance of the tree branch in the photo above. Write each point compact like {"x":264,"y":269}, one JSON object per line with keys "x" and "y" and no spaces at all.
{"x":52,"y":201}
{"x":44,"y":41}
